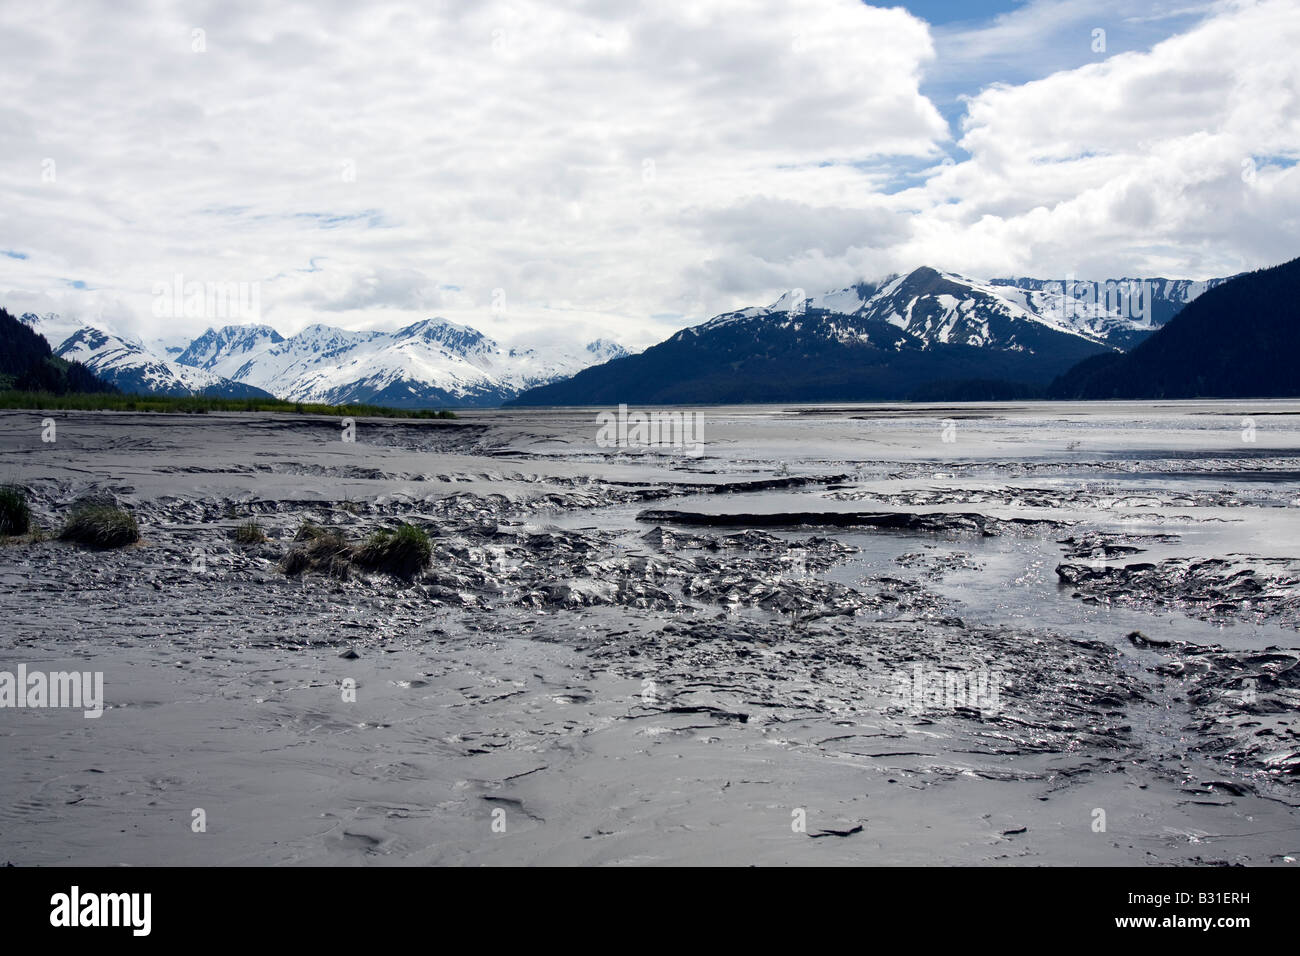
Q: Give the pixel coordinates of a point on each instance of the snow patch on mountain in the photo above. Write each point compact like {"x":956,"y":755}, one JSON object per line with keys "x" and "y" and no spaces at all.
{"x":224,"y":350}
{"x":54,"y":328}
{"x":132,"y":368}
{"x":945,"y":308}
{"x":431,"y":361}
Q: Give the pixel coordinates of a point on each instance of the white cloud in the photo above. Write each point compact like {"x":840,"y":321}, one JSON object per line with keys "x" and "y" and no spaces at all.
{"x":530,"y":169}
{"x":1139,"y":164}
{"x":560,"y":155}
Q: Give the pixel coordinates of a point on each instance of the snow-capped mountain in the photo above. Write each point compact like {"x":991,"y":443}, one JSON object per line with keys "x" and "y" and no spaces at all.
{"x":132,"y":368}
{"x":1122,"y":311}
{"x":51,"y":326}
{"x":430,"y":362}
{"x":224,"y":350}
{"x":924,"y":308}
{"x":897,"y":338}
{"x":947,"y":307}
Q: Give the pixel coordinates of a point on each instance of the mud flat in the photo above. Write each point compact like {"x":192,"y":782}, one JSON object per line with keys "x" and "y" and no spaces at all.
{"x":1028,"y":634}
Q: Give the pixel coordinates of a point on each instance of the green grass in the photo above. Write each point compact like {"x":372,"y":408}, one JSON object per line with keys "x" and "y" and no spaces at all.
{"x":250,"y":532}
{"x":309,"y":531}
{"x":15,"y":516}
{"x":403,"y":551}
{"x":197,"y":405}
{"x":101,"y":526}
{"x":323,"y":549}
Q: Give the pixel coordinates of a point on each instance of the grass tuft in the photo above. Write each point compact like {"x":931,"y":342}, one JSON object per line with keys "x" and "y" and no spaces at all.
{"x":250,"y":532}
{"x":403,"y":551}
{"x":15,"y":515}
{"x":324,"y":550}
{"x":101,"y":526}
{"x":310,"y":531}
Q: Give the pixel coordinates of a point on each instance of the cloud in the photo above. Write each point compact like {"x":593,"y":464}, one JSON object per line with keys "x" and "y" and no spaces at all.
{"x":1144,"y":163}
{"x":597,"y":169}
{"x":784,"y":229}
{"x":547,"y":152}
{"x":381,"y":288}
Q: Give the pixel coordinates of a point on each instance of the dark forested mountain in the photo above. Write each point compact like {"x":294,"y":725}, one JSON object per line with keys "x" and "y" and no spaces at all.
{"x":1239,"y":340}
{"x":28,"y":364}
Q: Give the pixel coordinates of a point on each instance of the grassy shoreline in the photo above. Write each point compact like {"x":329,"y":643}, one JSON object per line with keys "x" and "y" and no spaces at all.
{"x":198,"y":405}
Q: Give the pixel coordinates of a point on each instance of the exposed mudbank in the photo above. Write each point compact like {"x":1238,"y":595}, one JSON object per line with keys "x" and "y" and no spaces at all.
{"x":1227,"y":588}
{"x":916,"y":522}
{"x":632,"y":685}
{"x":1243,"y":704}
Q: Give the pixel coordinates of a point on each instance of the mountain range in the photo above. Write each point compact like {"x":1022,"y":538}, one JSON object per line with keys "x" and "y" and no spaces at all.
{"x":1122,"y":311}
{"x":430,"y":363}
{"x":925,"y":335}
{"x":134,"y":369}
{"x":904,"y":337}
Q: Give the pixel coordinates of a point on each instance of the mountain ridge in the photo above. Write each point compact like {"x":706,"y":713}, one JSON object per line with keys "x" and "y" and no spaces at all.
{"x":133,"y":369}
{"x":431,"y":362}
{"x":27,"y":363}
{"x":925,"y":332}
{"x":1238,"y":340}
{"x":881,"y":340}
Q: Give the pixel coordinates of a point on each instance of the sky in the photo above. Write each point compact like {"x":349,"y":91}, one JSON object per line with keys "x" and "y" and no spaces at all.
{"x":559,"y":171}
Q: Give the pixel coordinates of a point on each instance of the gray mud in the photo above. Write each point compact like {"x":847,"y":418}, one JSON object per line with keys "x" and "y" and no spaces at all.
{"x":1070,"y":636}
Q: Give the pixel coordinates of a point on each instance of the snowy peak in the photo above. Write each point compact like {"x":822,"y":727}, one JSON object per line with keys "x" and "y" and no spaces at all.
{"x":456,"y":339}
{"x":866,"y":342}
{"x":53,"y":327}
{"x":429,"y":362}
{"x":1122,"y":311}
{"x":134,"y":369}
{"x":931,"y":307}
{"x":927,"y":281}
{"x":924,"y":308}
{"x":324,"y":340}
{"x":224,"y":346}
{"x":603,"y":351}
{"x":90,"y":341}
{"x":937,"y":308}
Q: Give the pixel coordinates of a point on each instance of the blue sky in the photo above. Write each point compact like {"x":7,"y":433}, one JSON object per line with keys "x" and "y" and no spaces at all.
{"x":944,"y":12}
{"x":978,"y":44}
